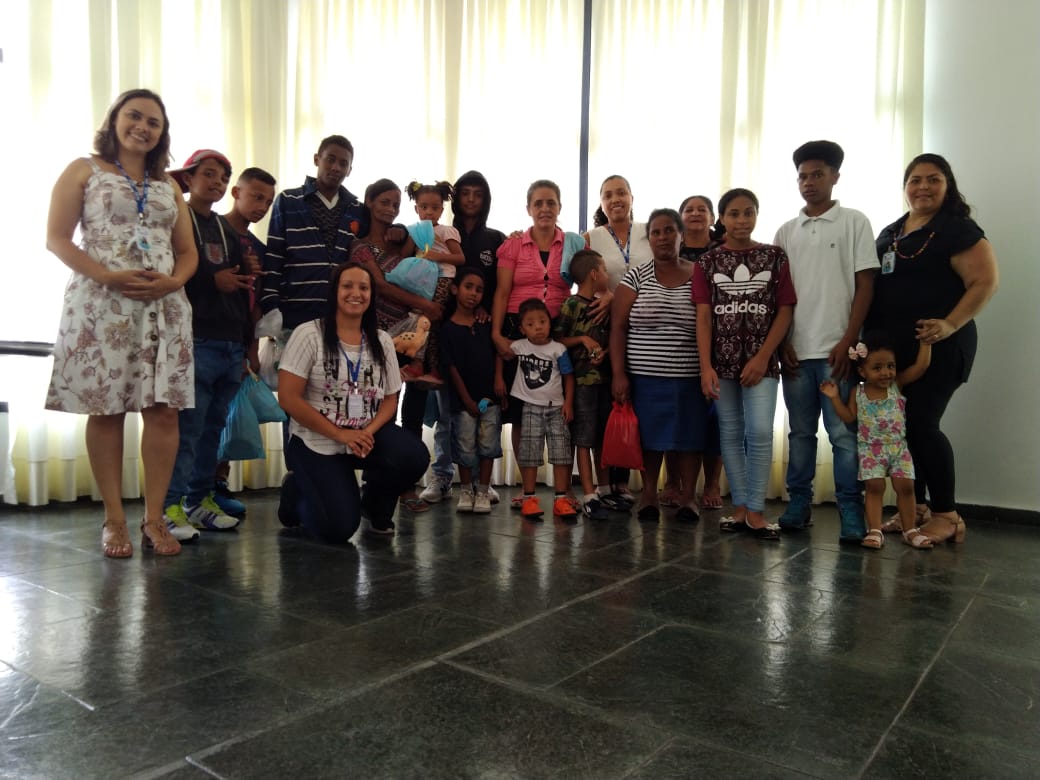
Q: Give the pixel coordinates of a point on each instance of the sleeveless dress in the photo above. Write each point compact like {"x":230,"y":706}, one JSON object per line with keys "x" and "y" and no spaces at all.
{"x":114,"y":354}
{"x":881,"y":439}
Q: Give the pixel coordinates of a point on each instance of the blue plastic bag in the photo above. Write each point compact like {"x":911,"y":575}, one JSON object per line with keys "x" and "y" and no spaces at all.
{"x":416,"y":274}
{"x":262,"y":400}
{"x":572,"y":244}
{"x":241,"y":439}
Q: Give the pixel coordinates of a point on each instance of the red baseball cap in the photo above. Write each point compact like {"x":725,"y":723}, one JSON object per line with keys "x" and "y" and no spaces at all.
{"x":193,"y":162}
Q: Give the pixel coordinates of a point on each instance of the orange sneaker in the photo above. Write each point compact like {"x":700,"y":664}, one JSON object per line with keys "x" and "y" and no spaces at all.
{"x":564,"y":507}
{"x":531,"y":509}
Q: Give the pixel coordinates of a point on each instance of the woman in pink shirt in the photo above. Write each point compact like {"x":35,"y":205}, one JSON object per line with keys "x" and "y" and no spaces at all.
{"x":528,"y":267}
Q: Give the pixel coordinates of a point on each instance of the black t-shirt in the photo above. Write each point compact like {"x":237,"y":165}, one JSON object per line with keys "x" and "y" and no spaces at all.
{"x":470,"y":350}
{"x":216,"y":315}
{"x":922,"y":283}
{"x":480,"y":248}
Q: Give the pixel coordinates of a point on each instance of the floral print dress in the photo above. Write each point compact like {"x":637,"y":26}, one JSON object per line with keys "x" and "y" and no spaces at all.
{"x":881,"y":439}
{"x":114,"y":354}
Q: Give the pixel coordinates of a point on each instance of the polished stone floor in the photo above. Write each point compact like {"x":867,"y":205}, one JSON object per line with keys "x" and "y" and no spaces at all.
{"x":487,"y":647}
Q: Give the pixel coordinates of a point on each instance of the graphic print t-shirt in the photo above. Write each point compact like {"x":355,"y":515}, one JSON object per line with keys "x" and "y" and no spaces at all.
{"x":329,"y":385}
{"x":745,"y":288}
{"x":539,"y":375}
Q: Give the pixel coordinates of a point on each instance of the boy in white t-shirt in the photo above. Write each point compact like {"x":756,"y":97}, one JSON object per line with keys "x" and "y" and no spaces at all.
{"x":545,"y":383}
{"x":833,"y":262}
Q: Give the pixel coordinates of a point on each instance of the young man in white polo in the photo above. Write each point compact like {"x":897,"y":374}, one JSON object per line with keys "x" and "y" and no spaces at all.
{"x":833,"y":262}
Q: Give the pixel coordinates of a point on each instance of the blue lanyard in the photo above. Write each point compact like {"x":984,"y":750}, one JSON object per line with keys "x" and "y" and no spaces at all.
{"x":354,"y":369}
{"x":626,"y":250}
{"x":140,"y":197}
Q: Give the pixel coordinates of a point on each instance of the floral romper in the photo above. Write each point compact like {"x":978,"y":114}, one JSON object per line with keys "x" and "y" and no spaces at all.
{"x":114,"y":354}
{"x":881,"y":436}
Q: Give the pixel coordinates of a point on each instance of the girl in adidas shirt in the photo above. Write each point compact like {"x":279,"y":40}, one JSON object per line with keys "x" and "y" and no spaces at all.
{"x":745,"y":301}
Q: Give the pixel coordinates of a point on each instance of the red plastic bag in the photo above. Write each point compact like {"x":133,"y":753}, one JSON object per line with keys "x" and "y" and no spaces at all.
{"x":621,"y":447}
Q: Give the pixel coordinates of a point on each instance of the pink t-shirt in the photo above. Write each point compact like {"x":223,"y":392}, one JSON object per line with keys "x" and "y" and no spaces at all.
{"x":745,"y":288}
{"x":532,"y":278}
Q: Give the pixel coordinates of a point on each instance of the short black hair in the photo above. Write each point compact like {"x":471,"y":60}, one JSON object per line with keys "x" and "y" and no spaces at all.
{"x":533,"y":304}
{"x":338,"y":140}
{"x":583,"y":263}
{"x":256,"y":174}
{"x":827,"y":151}
{"x":468,"y":270}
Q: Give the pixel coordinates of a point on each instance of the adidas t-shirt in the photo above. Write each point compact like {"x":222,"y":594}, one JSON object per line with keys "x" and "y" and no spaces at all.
{"x":745,"y":288}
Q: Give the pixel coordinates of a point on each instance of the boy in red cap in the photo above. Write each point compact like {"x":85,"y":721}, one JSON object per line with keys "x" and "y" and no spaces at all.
{"x":219,"y":296}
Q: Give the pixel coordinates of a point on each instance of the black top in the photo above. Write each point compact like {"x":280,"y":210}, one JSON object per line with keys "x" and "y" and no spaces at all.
{"x":470,"y":350}
{"x":691,"y":253}
{"x":480,"y":248}
{"x":922,"y":284}
{"x":216,"y":315}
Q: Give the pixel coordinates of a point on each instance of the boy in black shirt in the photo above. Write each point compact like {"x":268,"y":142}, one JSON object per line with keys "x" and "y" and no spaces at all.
{"x":219,"y":296}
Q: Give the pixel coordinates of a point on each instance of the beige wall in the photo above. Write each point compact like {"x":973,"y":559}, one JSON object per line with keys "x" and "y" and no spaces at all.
{"x":982,"y":111}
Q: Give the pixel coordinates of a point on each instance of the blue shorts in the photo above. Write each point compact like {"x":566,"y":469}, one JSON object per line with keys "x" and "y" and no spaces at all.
{"x":475,"y":439}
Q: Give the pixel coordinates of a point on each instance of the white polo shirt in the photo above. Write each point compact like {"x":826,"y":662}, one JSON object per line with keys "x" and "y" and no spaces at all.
{"x":825,"y":254}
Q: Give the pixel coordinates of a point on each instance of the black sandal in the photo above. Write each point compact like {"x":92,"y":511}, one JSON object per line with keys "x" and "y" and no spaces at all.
{"x":648,"y":514}
{"x":732,"y":525}
{"x":687,"y":515}
{"x":767,"y":533}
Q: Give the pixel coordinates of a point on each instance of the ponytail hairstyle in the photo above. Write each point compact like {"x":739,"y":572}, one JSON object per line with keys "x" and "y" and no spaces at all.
{"x":369,"y":322}
{"x":599,"y":219}
{"x":873,"y":340}
{"x":954,"y":203}
{"x":442,"y":189}
{"x":725,"y":200}
{"x":715,"y":230}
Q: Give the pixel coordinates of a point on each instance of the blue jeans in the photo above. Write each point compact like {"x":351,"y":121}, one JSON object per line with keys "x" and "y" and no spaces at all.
{"x":746,"y":434}
{"x":804,"y":403}
{"x":218,"y":374}
{"x":443,"y":468}
{"x":322,"y":491}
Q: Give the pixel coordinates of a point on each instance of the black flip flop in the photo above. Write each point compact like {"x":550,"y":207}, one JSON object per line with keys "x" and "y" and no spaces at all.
{"x":649,"y":514}
{"x":687,"y":515}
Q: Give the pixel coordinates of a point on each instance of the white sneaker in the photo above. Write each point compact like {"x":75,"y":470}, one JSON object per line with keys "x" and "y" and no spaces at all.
{"x":209,"y":516}
{"x":178,"y":525}
{"x":493,"y":495}
{"x":438,"y":490}
{"x":465,"y":501}
{"x":482,"y":504}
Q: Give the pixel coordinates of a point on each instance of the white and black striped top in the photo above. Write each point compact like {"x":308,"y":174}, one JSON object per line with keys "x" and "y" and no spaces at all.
{"x":662,"y":327}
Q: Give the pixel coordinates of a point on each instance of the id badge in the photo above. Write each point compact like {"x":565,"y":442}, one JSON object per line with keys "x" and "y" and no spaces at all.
{"x":355,"y":406}
{"x":141,"y":237}
{"x":888,"y":262}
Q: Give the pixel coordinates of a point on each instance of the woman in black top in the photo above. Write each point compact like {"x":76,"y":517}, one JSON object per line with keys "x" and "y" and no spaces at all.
{"x":937,"y":273}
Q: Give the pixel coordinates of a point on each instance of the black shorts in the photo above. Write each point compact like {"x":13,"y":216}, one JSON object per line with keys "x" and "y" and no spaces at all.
{"x":592,"y":404}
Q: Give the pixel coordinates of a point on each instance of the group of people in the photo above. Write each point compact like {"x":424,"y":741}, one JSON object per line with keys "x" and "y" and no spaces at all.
{"x":685,"y":316}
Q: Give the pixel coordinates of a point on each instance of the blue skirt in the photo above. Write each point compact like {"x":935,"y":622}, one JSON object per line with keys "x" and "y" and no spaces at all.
{"x":672,"y":412}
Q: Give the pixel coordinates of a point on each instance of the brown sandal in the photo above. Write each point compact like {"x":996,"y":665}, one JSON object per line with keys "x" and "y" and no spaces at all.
{"x":894,"y":524}
{"x":115,"y":541}
{"x":157,"y":538}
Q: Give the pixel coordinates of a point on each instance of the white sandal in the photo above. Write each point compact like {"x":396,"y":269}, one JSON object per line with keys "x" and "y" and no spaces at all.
{"x":874,"y":540}
{"x":917,"y":539}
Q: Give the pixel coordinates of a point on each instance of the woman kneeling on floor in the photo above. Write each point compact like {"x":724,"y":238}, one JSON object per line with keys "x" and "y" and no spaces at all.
{"x":338,"y":381}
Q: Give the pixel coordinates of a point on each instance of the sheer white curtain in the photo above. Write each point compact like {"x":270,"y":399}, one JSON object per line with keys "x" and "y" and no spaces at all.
{"x":425,"y":89}
{"x":686,"y":95}
{"x":698,"y":96}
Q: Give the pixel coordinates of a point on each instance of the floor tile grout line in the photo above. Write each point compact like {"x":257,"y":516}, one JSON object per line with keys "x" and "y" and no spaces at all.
{"x":611,"y":654}
{"x":917,"y":685}
{"x":506,"y":630}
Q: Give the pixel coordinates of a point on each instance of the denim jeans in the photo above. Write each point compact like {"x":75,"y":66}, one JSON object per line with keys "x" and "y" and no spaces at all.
{"x":804,"y":403}
{"x":443,"y":468}
{"x":323,"y":489}
{"x":218,"y":374}
{"x":746,"y":433}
